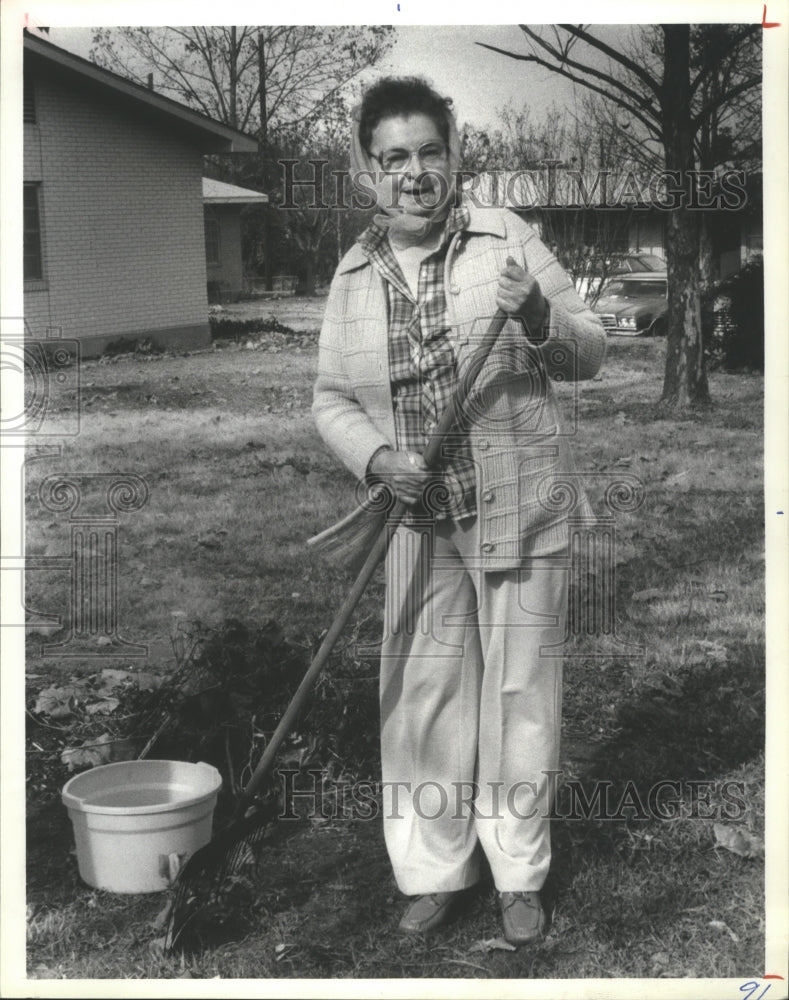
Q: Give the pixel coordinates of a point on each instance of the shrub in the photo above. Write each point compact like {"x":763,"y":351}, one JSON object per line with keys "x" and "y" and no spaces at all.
{"x":234,"y":329}
{"x":738,"y":339}
{"x":241,"y":680}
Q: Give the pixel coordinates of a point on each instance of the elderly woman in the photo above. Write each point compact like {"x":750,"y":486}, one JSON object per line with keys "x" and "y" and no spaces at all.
{"x":470,"y":685}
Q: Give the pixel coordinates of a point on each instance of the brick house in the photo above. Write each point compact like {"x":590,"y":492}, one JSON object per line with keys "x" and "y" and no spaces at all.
{"x":622,"y":216}
{"x":222,"y":207}
{"x":114,"y":239}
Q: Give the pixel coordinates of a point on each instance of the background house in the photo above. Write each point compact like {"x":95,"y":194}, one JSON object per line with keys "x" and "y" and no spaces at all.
{"x":222,"y":207}
{"x":738,"y":236}
{"x":114,"y":245}
{"x":618,"y":215}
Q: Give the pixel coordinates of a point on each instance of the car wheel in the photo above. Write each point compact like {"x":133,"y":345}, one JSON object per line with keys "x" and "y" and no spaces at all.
{"x":660,"y":327}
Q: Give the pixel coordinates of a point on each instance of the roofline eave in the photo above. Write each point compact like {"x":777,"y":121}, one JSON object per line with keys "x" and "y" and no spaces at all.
{"x":213,"y":135}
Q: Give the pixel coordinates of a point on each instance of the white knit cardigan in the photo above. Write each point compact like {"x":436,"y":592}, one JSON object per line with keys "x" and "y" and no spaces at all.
{"x":518,"y":441}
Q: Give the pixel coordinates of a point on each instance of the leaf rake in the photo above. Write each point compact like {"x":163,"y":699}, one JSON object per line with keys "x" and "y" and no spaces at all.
{"x":199,"y":884}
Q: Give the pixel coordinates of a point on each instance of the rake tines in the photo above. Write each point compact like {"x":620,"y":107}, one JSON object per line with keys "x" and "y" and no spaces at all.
{"x":204,"y":885}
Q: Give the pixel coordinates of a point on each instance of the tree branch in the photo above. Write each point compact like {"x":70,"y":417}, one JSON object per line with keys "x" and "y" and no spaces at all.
{"x":646,"y":78}
{"x":746,"y":32}
{"x":644,"y":103}
{"x":729,"y":95}
{"x":652,"y":127}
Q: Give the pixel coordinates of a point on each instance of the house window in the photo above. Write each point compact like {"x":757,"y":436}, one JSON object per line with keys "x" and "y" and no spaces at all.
{"x":212,"y":239}
{"x":33,"y":262}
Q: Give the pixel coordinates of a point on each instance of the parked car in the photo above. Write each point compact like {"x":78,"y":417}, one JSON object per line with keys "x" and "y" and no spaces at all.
{"x":639,"y":262}
{"x":634,"y":305}
{"x":627,"y":264}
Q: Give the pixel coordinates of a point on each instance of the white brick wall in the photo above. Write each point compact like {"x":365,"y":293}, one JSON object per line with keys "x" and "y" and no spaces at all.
{"x":122,"y":218}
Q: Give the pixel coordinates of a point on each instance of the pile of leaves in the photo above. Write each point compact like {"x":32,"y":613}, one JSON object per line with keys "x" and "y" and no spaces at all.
{"x":248,"y":678}
{"x":87,"y":721}
{"x":221,"y":704}
{"x":227,"y":328}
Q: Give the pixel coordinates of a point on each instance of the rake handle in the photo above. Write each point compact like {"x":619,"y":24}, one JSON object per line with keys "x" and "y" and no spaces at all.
{"x":432,"y":455}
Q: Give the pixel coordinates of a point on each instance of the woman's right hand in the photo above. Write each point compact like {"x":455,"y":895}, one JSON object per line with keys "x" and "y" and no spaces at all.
{"x":404,"y":471}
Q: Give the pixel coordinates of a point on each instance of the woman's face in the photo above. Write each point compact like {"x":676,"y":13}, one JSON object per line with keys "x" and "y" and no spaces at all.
{"x":415,"y":188}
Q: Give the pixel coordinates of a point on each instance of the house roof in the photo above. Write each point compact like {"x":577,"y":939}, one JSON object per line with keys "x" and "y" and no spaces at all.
{"x":559,"y":186}
{"x":207,"y":133}
{"x":219,"y":193}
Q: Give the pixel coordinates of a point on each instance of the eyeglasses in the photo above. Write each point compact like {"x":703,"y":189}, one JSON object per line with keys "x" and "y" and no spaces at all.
{"x":429,"y":154}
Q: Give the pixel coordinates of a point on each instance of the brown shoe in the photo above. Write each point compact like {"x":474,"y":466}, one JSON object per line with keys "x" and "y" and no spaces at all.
{"x":523,"y":916}
{"x":427,"y":912}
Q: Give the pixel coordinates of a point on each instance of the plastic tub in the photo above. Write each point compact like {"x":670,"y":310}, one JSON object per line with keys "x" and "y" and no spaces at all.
{"x":136,"y":822}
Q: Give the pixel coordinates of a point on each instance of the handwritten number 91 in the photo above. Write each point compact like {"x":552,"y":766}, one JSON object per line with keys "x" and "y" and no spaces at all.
{"x":748,"y":990}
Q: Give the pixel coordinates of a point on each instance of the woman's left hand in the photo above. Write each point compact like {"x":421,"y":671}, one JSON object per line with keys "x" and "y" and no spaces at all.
{"x":519,"y":295}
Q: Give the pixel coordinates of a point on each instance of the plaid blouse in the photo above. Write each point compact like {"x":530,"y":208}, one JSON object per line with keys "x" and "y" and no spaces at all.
{"x":422,"y":365}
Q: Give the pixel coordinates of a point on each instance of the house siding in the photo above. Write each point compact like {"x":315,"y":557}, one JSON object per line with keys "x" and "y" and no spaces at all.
{"x":122,"y":222}
{"x":647,"y":232}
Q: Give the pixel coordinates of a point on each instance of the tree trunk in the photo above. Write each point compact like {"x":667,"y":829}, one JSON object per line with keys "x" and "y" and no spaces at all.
{"x":265,"y":237}
{"x":233,"y":71}
{"x":309,"y":274}
{"x":708,"y":137}
{"x":685,"y":379}
{"x":708,"y":277}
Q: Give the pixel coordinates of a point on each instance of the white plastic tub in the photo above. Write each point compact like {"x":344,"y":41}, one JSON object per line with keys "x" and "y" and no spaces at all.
{"x":135,"y":822}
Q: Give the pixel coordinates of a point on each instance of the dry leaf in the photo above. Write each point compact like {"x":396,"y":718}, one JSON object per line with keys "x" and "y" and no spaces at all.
{"x":734,"y":840}
{"x":678,"y":481}
{"x":161,"y":918}
{"x":90,"y":754}
{"x":492,"y":944}
{"x":209,"y":542}
{"x":648,"y":595}
{"x":665,"y":685}
{"x":714,"y":651}
{"x":147,"y":682}
{"x":56,"y":702}
{"x":719,"y":925}
{"x":158,"y":944}
{"x":115,"y":678}
{"x":103,"y":707}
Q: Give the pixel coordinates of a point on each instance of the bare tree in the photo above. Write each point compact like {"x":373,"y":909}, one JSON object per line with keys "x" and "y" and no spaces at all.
{"x":589,"y":243}
{"x":266,"y":79}
{"x":311,"y":221}
{"x":216,"y":70}
{"x":662,"y":83}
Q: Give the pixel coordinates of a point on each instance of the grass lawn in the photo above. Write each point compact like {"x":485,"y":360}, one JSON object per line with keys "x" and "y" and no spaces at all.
{"x":238,"y":479}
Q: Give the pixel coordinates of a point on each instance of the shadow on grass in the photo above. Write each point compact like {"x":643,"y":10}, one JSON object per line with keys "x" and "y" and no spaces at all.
{"x":634,"y":855}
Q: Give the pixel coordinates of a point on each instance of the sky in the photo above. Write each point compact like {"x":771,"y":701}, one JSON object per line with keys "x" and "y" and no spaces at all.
{"x":480,"y":82}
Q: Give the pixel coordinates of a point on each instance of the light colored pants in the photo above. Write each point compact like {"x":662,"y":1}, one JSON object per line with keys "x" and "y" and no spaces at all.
{"x":470,"y":705}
